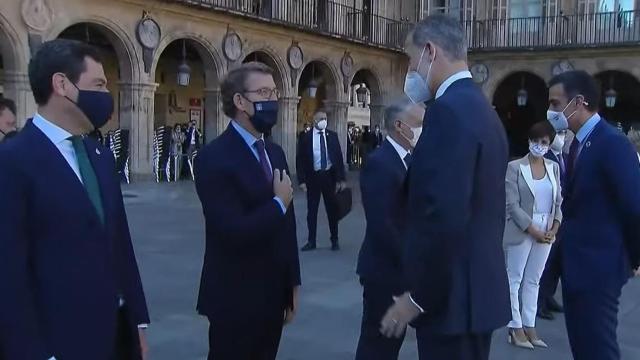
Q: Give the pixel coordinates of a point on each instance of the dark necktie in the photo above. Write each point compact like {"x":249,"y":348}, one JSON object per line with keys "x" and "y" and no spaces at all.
{"x":323,"y":152}
{"x":563,"y":166}
{"x":88,"y":175}
{"x":573,"y":156}
{"x":407,"y":159}
{"x":264,"y":163}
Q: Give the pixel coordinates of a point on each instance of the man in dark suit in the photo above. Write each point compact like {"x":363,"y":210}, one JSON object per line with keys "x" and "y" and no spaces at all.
{"x":251,"y":273}
{"x":457,"y":281}
{"x":600,"y":234}
{"x":384,"y":198}
{"x":321,"y":172}
{"x":547,"y":304}
{"x":377,"y":138}
{"x":70,"y":283}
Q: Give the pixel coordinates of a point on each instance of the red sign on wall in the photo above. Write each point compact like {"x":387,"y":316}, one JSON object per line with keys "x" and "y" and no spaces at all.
{"x":195,"y":102}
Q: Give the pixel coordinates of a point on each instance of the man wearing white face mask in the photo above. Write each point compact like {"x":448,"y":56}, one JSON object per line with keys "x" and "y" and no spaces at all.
{"x":384,"y":199}
{"x":456,"y":276}
{"x":321,"y":172}
{"x":600,"y":234}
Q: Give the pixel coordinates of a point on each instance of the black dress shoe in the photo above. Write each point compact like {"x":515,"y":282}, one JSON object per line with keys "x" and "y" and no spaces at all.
{"x":545,"y":314}
{"x":335,"y":247}
{"x":553,"y":306}
{"x":308,"y":247}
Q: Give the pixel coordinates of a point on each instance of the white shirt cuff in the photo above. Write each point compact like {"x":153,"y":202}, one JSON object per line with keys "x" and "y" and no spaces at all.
{"x":143,"y":326}
{"x":52,"y":358}
{"x":416,"y":305}
{"x":281,"y":204}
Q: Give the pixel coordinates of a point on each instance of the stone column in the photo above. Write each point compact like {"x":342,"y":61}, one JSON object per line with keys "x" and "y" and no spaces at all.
{"x":212,"y":112}
{"x":285,"y":132}
{"x":17,"y":88}
{"x":137,"y":116}
{"x":376,"y":113}
{"x":337,"y":119}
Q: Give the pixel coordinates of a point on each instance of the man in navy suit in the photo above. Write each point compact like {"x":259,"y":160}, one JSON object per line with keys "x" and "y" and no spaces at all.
{"x":457,"y":280}
{"x":547,"y":304}
{"x":321,"y":172}
{"x":70,"y":284}
{"x":251,"y":273}
{"x":384,"y":198}
{"x":600,"y":234}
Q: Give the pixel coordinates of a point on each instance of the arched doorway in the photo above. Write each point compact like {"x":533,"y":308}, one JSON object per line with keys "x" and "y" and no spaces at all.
{"x":187,"y":93}
{"x":364,"y":116}
{"x":316,"y":87}
{"x":521,"y":100}
{"x":620,"y":100}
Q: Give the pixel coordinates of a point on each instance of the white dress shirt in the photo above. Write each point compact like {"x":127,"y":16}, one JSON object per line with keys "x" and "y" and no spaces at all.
{"x":465,"y":74}
{"x":317,"y":159}
{"x":60,"y":138}
{"x":402,"y":152}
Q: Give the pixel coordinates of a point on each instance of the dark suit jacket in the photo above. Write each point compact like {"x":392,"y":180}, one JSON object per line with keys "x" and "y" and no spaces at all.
{"x":563,"y":171}
{"x":456,"y":215}
{"x":61,"y":269}
{"x":304,"y":161}
{"x":601,"y":228}
{"x":384,"y":200}
{"x":251,"y":258}
{"x":187,"y":140}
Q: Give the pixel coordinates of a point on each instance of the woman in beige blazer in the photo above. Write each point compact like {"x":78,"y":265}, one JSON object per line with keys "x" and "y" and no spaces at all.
{"x":533,"y":218}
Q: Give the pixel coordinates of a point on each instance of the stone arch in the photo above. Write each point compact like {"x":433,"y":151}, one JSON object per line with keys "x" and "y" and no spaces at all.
{"x":333,"y":78}
{"x":209,"y":55}
{"x":13,"y":49}
{"x":373,"y":81}
{"x":518,"y":118}
{"x":281,"y":71}
{"x":497,"y":77}
{"x":128,"y":58}
{"x":625,"y":108}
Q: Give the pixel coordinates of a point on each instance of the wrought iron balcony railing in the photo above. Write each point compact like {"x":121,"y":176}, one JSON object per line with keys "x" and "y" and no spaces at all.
{"x":317,"y":16}
{"x":563,"y":31}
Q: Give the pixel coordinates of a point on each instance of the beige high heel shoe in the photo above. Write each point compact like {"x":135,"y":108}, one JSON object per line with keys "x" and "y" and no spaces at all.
{"x":537,"y":342}
{"x":513,"y":340}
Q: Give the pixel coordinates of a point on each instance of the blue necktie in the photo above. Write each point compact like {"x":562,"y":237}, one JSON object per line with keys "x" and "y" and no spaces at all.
{"x":323,"y":152}
{"x":407,"y":159}
{"x":264,"y":163}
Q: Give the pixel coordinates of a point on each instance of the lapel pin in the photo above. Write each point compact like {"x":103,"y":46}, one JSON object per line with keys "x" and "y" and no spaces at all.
{"x":588,"y":144}
{"x":97,"y":151}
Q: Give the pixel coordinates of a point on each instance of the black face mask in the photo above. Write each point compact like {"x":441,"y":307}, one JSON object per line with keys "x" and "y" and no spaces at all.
{"x":9,"y":134}
{"x":97,"y":106}
{"x":265,"y":115}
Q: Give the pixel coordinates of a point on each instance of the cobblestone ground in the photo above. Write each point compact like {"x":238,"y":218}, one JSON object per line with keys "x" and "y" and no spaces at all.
{"x":168,"y":232}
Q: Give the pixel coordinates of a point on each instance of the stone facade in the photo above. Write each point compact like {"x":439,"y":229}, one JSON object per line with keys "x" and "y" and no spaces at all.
{"x":136,"y":90}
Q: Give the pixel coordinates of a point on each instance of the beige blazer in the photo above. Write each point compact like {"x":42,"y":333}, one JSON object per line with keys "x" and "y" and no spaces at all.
{"x":520,"y":198}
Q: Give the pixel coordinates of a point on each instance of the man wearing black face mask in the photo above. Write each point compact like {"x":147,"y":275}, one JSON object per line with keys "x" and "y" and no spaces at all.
{"x":8,"y":124}
{"x":251,"y":273}
{"x":70,"y":282}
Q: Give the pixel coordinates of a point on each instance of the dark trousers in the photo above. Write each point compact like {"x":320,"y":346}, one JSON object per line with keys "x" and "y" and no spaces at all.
{"x":376,"y":300}
{"x":449,"y":347}
{"x":592,"y":321}
{"x":550,"y":277}
{"x":322,"y":183}
{"x":127,"y":346}
{"x":256,"y":339}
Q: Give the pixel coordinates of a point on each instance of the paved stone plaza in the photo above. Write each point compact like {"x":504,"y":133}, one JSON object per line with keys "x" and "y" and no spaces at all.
{"x":168,"y":233}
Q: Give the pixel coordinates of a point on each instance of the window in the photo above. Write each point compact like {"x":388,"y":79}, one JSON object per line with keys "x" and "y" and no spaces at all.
{"x":462,"y":10}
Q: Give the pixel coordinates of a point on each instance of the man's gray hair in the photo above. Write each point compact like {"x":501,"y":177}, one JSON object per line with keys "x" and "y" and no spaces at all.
{"x":392,"y":112}
{"x":634,"y":137}
{"x":444,"y":31}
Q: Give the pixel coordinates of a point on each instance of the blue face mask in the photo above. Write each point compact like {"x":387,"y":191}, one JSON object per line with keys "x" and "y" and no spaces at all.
{"x":97,"y":106}
{"x":416,"y":87}
{"x":265,"y":115}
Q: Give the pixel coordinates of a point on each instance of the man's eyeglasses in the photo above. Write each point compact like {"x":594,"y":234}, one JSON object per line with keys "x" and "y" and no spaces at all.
{"x":265,"y":93}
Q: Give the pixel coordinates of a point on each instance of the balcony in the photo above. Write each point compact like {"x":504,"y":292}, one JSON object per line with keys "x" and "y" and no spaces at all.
{"x":316,"y":16}
{"x":563,"y":31}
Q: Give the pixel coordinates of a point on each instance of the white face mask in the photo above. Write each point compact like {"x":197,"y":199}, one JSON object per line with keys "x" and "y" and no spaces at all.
{"x":416,"y":135}
{"x":415,"y":86}
{"x":538,"y":150}
{"x":558,"y":143}
{"x":558,"y":120}
{"x":322,"y":124}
